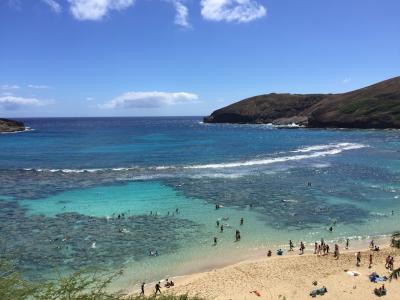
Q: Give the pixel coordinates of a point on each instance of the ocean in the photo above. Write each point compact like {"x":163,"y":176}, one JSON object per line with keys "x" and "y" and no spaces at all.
{"x":106,"y":192}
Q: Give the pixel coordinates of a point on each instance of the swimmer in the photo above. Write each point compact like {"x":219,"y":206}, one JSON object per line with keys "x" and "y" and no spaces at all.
{"x":215,"y":240}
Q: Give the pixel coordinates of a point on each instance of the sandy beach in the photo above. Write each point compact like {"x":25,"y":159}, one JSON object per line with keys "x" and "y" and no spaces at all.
{"x":291,"y":277}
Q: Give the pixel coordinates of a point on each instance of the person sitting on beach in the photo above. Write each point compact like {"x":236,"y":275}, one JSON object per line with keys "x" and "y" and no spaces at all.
{"x":167,"y":284}
{"x":302,"y":247}
{"x":279,"y":252}
{"x":291,"y":246}
{"x":158,"y":288}
{"x":358,"y":257}
{"x":381,"y":291}
{"x":376,"y":248}
{"x":269,"y":253}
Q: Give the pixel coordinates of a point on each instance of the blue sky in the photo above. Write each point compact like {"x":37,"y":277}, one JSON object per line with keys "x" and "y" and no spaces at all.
{"x":186,"y":57}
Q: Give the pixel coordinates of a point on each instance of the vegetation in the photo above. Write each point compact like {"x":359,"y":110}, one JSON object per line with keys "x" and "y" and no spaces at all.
{"x":396,"y":240}
{"x":83,"y":285}
{"x":395,"y":274}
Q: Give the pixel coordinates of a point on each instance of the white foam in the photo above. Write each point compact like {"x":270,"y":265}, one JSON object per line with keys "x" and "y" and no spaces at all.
{"x":303,"y":153}
{"x":329,"y":150}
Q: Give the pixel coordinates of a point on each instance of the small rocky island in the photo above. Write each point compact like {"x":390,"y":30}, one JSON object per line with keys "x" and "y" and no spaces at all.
{"x":7,"y":125}
{"x":375,"y":106}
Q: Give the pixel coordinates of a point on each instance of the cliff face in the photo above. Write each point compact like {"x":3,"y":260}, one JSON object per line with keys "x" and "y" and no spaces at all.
{"x":7,"y":125}
{"x":376,"y":106}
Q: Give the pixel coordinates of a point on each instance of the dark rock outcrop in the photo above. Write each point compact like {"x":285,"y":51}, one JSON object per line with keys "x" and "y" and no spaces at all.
{"x":7,"y":125}
{"x":376,"y":106}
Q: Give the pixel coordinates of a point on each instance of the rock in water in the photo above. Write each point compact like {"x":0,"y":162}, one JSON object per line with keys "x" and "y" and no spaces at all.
{"x":7,"y":125}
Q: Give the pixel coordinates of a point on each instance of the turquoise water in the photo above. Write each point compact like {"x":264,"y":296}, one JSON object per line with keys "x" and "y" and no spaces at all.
{"x":64,"y":185}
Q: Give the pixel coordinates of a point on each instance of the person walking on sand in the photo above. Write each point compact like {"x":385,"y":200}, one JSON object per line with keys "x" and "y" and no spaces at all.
{"x":372,"y":244}
{"x":358,"y":256}
{"x":302,"y":247}
{"x":158,"y":288}
{"x":142,"y":289}
{"x":370,"y":261}
{"x":347,"y":243}
{"x":315,"y":247}
{"x":291,"y":246}
{"x":336,"y":253}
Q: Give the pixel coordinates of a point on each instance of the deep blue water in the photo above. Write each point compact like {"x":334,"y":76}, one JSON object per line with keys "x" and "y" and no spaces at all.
{"x":65,"y":182}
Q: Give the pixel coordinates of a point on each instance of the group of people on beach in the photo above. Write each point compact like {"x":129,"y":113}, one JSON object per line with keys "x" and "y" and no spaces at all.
{"x":157,"y":287}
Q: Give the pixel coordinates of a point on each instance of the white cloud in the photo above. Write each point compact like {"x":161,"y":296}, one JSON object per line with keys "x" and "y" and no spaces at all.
{"x":149,"y":100}
{"x":240,"y":11}
{"x":38,"y":86}
{"x":54,"y":5}
{"x":346,"y":80}
{"x":182,"y":14}
{"x":89,"y":98}
{"x":96,"y":9}
{"x":9,"y":87}
{"x":13,"y":102}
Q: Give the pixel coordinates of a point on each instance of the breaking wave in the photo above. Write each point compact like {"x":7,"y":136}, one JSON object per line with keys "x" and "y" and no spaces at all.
{"x":301,"y":154}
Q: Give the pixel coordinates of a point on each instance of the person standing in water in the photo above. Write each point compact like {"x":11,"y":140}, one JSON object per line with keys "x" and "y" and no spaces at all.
{"x":347,"y":243}
{"x":222,"y":228}
{"x":215,"y":240}
{"x":241,"y":221}
{"x":237,"y":236}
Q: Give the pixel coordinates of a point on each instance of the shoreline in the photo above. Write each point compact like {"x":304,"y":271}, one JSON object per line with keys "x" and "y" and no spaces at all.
{"x":194,"y":283}
{"x":291,"y":276}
